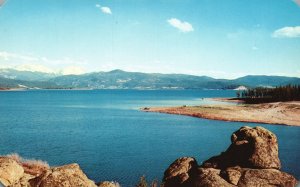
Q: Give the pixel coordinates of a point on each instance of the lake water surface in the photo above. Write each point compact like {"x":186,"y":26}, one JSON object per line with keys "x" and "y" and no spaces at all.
{"x":104,"y":132}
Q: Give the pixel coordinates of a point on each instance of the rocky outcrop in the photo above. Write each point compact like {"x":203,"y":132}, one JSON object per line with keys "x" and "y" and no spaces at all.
{"x":108,"y":184}
{"x":63,"y":176}
{"x":251,"y":160}
{"x":179,"y":171}
{"x":208,"y":177}
{"x":266,"y":177}
{"x":15,"y":174}
{"x":10,"y":171}
{"x":251,"y":147}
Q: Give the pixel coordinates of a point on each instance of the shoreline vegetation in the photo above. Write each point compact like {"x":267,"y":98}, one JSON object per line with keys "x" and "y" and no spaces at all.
{"x":279,"y":113}
{"x":268,"y":95}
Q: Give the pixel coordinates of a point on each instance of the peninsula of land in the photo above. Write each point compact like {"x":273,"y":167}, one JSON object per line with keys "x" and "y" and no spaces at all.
{"x":282,"y":113}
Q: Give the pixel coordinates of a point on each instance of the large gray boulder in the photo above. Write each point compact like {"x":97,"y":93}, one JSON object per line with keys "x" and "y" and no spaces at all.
{"x":251,"y":160}
{"x":179,"y":172}
{"x":209,"y":177}
{"x":250,"y":147}
{"x":266,"y":177}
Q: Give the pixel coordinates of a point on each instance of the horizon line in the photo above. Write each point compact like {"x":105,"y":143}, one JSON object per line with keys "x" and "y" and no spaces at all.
{"x":59,"y":73}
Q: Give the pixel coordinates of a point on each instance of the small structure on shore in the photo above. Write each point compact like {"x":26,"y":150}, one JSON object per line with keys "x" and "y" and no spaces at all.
{"x":241,"y":88}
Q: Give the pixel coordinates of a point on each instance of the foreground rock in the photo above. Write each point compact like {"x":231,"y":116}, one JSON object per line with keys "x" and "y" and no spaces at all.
{"x":180,"y":171}
{"x":108,"y":184}
{"x":251,"y":147}
{"x":265,"y":177}
{"x":64,"y":176}
{"x":14,"y":173}
{"x":10,"y":171}
{"x":251,"y":160}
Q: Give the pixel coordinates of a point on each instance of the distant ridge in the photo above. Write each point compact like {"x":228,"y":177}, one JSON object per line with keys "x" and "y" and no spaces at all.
{"x":119,"y":79}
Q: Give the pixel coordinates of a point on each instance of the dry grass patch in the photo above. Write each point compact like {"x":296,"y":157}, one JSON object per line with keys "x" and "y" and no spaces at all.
{"x":30,"y":166}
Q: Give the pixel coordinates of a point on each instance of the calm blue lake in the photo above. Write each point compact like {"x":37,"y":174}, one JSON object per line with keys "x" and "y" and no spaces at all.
{"x":105,"y":133}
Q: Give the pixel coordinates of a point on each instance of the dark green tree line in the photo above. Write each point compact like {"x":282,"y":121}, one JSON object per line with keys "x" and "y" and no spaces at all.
{"x":261,"y":94}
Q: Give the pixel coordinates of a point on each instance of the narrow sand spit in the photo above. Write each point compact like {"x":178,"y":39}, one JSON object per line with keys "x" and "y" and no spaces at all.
{"x":284,"y":113}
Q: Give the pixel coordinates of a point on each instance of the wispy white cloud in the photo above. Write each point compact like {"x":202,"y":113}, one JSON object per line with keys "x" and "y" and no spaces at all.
{"x":287,"y":32}
{"x":7,"y":56}
{"x":105,"y":10}
{"x":297,"y":2}
{"x":73,"y":70}
{"x":180,"y":25}
{"x":33,"y":63}
{"x":68,"y":70}
{"x":34,"y":68}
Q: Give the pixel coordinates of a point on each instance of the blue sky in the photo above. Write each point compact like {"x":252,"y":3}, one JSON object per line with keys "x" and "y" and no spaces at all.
{"x":219,"y":38}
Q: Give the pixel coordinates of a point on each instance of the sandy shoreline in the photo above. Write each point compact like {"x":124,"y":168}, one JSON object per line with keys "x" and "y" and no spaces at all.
{"x":233,"y":100}
{"x":282,"y":113}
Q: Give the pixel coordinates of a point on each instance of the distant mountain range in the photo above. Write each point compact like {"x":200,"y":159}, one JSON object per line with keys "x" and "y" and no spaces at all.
{"x":118,"y":79}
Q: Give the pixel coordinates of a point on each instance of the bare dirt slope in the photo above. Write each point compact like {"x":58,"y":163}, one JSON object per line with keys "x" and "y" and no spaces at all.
{"x":285,"y":113}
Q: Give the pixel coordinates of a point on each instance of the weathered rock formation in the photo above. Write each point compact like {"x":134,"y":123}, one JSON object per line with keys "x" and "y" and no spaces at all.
{"x":251,"y":147}
{"x":180,"y":170}
{"x":108,"y":184}
{"x":251,"y":160}
{"x":10,"y":171}
{"x":12,"y":174}
{"x":63,"y":176}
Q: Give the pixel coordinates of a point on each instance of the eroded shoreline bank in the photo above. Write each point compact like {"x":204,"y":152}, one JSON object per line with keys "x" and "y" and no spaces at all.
{"x":281,"y":113}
